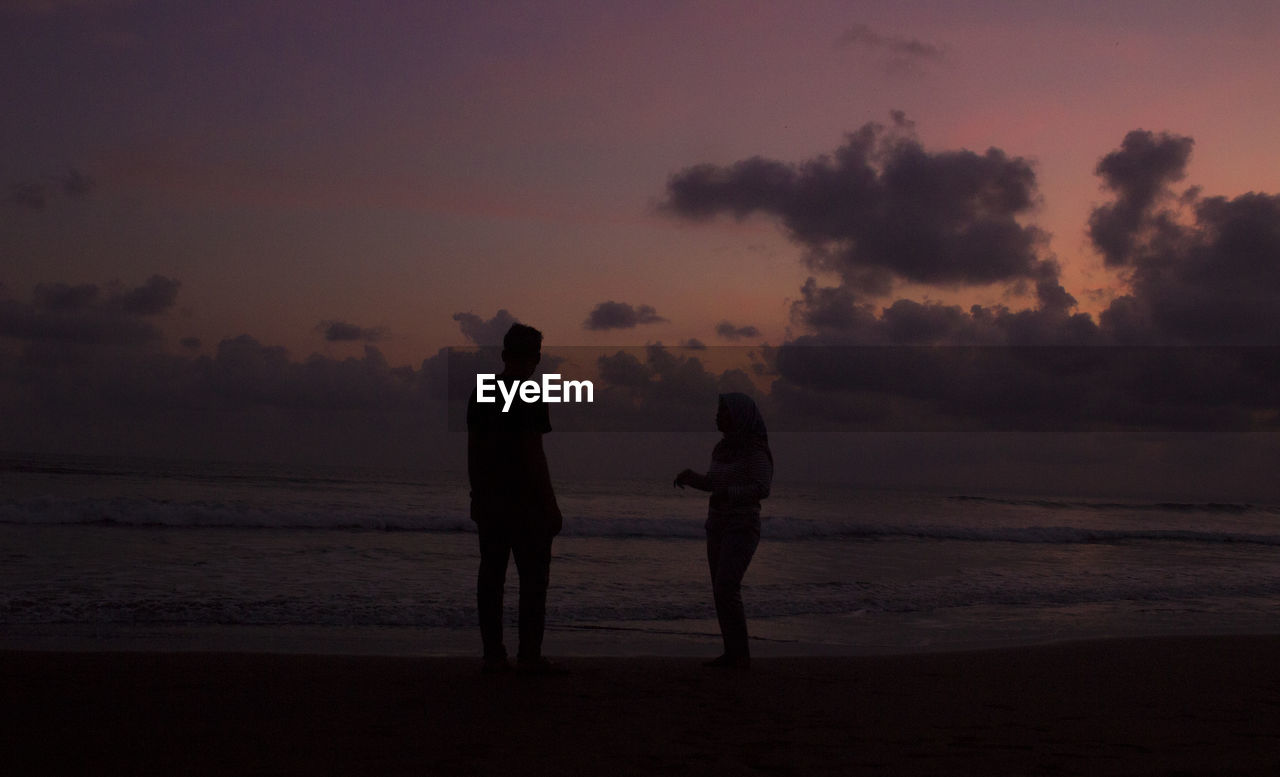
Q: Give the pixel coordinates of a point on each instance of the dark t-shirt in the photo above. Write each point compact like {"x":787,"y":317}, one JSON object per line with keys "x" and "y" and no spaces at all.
{"x":501,"y":484}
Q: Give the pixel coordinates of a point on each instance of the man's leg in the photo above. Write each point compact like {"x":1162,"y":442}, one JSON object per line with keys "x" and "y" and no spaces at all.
{"x":495,"y":549}
{"x":533,"y":563}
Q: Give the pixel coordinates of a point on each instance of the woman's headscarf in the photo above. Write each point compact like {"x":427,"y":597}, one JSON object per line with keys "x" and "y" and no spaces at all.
{"x":746,"y":428}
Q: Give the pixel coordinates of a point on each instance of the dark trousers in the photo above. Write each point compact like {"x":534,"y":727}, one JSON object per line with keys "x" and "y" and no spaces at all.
{"x":533,"y":565}
{"x":729,"y":552}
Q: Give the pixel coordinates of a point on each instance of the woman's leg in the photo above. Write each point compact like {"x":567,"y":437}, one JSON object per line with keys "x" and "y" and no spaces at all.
{"x":729,"y":552}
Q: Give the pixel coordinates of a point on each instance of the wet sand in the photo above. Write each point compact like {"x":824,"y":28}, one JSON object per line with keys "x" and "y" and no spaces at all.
{"x":1185,"y":705}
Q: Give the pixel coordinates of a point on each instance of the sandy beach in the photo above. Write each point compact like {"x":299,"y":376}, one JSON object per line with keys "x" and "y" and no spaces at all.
{"x":1187,"y":705}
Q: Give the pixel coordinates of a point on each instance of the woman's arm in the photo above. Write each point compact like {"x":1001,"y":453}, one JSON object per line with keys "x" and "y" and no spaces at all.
{"x":690,"y":478}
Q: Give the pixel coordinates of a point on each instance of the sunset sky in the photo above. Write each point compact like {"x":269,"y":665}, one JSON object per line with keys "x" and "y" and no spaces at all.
{"x":326,"y":176}
{"x":388,"y":165}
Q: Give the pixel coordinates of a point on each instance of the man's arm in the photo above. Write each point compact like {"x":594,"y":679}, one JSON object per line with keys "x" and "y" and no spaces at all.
{"x":483,"y":508}
{"x":474,"y":441}
{"x":535,"y":463}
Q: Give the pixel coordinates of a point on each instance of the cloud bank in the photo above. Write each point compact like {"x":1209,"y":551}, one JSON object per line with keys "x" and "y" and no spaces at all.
{"x":485,"y":332}
{"x":1190,"y":343}
{"x":1201,"y":271}
{"x":901,"y":54}
{"x":86,"y":314}
{"x":620,"y":315}
{"x":882,"y":208}
{"x":731,"y":331}
{"x":341,"y":332}
{"x":35,"y":194}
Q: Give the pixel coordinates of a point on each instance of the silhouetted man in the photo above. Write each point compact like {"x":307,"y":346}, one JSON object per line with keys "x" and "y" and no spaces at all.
{"x":513,"y":505}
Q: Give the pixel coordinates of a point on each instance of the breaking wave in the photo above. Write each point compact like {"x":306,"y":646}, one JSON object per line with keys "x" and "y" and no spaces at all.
{"x":134,"y":512}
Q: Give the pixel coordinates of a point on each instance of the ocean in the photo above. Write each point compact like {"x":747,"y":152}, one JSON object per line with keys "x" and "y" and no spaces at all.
{"x":127,"y":554}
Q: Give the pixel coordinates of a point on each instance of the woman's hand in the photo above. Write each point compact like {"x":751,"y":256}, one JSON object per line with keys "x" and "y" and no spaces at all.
{"x":690,"y":478}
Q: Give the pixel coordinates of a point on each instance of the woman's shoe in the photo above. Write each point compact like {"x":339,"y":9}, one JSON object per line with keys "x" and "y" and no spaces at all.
{"x":729,"y":661}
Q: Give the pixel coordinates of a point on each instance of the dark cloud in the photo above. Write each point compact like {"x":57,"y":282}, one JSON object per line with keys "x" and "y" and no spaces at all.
{"x":90,"y":327}
{"x":191,"y":343}
{"x":34,"y":195}
{"x":1027,"y":388}
{"x":1139,"y":173}
{"x":620,"y":315}
{"x":184,"y":407}
{"x":152,"y":298}
{"x":482,"y":332}
{"x":882,"y":207}
{"x":655,"y":388}
{"x":247,"y":399}
{"x":78,"y":314}
{"x":907,"y":321}
{"x":694,"y":344}
{"x":731,"y":331}
{"x":245,"y":372}
{"x":625,"y":370}
{"x":341,"y":331}
{"x":76,"y":184}
{"x":901,"y":122}
{"x":63,"y":297}
{"x":838,"y":317}
{"x":830,"y":309}
{"x":242,"y":373}
{"x":1215,"y":279}
{"x":902,"y":54}
{"x":1201,"y":269}
{"x":28,"y":194}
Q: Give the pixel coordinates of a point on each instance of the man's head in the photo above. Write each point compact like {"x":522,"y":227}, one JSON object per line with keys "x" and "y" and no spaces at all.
{"x":521,"y":351}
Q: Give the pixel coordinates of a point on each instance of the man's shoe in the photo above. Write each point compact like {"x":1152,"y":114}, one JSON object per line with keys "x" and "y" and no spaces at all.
{"x":540,"y":666}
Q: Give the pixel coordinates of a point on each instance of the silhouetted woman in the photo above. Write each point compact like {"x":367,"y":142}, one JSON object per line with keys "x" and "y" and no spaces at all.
{"x":740,"y":474}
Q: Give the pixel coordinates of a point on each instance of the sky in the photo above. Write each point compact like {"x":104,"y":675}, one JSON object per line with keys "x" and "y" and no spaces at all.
{"x":339,"y":190}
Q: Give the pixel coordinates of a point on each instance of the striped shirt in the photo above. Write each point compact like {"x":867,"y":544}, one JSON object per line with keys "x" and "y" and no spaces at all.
{"x":737,"y":486}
